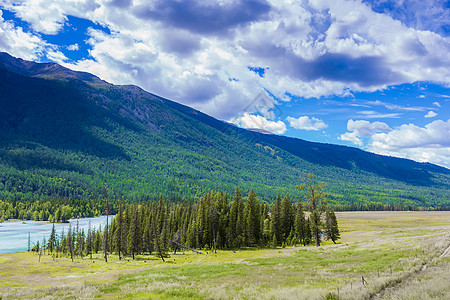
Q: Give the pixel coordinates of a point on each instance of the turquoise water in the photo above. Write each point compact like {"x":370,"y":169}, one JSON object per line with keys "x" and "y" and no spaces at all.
{"x":14,"y":235}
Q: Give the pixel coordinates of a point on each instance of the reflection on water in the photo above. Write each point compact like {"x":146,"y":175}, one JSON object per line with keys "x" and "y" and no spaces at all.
{"x":14,"y":235}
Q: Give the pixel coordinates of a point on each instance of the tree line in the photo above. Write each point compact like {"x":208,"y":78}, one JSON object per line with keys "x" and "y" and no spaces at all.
{"x":213,"y":222}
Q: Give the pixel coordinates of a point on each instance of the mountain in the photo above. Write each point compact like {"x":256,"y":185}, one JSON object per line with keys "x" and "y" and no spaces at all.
{"x":70,"y":134}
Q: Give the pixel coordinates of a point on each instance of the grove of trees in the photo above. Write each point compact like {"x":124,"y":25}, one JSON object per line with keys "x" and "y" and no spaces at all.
{"x":214,"y":222}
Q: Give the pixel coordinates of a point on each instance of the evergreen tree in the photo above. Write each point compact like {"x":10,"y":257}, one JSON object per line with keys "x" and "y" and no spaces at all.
{"x":331,"y":226}
{"x":134,"y":236}
{"x":317,"y":198}
{"x":89,"y":240}
{"x":286,"y":217}
{"x":300,"y":223}
{"x":147,"y":234}
{"x":252,"y":216}
{"x":236,"y":231}
{"x":70,"y":242}
{"x":276,"y":219}
{"x":118,"y":233}
{"x":97,"y":241}
{"x":52,"y":239}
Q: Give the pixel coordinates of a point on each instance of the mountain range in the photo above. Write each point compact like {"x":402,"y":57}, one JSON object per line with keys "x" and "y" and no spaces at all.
{"x":70,"y":134}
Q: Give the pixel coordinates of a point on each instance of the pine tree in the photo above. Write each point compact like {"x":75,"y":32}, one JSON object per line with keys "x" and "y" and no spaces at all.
{"x":252,"y":217}
{"x":97,"y":241}
{"x":317,"y":198}
{"x":331,"y":226}
{"x":286,"y":217}
{"x":147,"y":235}
{"x":70,"y":241}
{"x":105,"y":236}
{"x":52,"y":239}
{"x":134,"y":235}
{"x":89,"y":240}
{"x":236,"y":231}
{"x":276,"y":219}
{"x":274,"y":241}
{"x":118,"y":234}
{"x":300,"y":223}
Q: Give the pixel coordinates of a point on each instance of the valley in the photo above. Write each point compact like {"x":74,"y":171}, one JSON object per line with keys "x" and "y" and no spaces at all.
{"x":67,"y":137}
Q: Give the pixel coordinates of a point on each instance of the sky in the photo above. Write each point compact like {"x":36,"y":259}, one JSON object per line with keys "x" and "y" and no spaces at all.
{"x":372,"y":74}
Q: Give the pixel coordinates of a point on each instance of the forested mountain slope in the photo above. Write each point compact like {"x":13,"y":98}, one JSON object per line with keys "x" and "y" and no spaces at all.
{"x":69,"y":134}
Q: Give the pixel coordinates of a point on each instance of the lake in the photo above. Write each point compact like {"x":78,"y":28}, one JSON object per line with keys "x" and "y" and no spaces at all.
{"x":14,"y":235}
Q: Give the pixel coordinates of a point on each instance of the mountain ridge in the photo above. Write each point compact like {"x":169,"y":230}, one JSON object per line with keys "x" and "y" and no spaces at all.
{"x":75,"y":117}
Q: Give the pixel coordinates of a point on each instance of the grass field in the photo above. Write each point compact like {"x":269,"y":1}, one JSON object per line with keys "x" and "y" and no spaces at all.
{"x":399,"y":255}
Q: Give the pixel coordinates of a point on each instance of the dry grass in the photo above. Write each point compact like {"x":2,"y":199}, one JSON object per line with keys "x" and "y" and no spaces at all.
{"x":388,"y":248}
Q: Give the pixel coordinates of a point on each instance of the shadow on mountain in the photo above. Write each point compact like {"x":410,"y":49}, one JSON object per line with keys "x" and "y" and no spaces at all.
{"x":55,"y":115}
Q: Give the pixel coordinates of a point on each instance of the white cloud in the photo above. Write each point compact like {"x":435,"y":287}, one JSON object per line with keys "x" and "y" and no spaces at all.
{"x":74,"y":47}
{"x":23,"y":44}
{"x":363,"y":128}
{"x":259,"y":122}
{"x":351,"y":137}
{"x":436,"y":104}
{"x":306,"y":123}
{"x":431,"y":114}
{"x":391,"y":106}
{"x":313,"y":49}
{"x":426,"y":144}
{"x":370,"y":114}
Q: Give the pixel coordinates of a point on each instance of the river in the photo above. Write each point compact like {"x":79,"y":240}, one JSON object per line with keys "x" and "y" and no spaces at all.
{"x":14,"y":235}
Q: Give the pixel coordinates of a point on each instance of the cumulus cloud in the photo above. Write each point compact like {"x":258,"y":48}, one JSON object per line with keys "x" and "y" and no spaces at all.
{"x":429,"y":143}
{"x":189,"y":50}
{"x":436,"y":104}
{"x":306,"y":123}
{"x":431,"y":114}
{"x":19,"y":43}
{"x":362,"y":128}
{"x":258,"y":122}
{"x":74,"y":47}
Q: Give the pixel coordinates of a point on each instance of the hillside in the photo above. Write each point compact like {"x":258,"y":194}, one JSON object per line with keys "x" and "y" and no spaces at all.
{"x":69,"y":134}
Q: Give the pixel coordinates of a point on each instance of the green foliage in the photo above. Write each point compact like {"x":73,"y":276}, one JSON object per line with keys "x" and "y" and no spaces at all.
{"x":210,"y":223}
{"x":317,"y":200}
{"x":65,"y":135}
{"x":331,"y":226}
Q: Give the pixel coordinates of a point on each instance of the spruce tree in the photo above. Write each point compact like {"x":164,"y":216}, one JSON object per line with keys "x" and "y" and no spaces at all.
{"x":118,"y":234}
{"x":286,"y":217}
{"x":252,"y":217}
{"x":237,"y":219}
{"x":300,"y":223}
{"x":52,"y":239}
{"x":70,"y":241}
{"x":331,"y":226}
{"x":276,"y":219}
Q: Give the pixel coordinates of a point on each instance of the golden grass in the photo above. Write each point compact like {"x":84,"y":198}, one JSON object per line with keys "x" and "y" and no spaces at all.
{"x":388,"y":248}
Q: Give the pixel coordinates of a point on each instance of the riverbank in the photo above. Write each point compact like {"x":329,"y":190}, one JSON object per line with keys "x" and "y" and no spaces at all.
{"x":14,"y":235}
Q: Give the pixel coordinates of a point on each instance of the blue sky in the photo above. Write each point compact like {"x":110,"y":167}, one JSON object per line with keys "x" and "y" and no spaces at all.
{"x":373,"y":74}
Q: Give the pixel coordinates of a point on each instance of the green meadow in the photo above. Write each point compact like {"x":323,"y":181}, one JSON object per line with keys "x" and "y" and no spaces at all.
{"x":381,"y":255}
